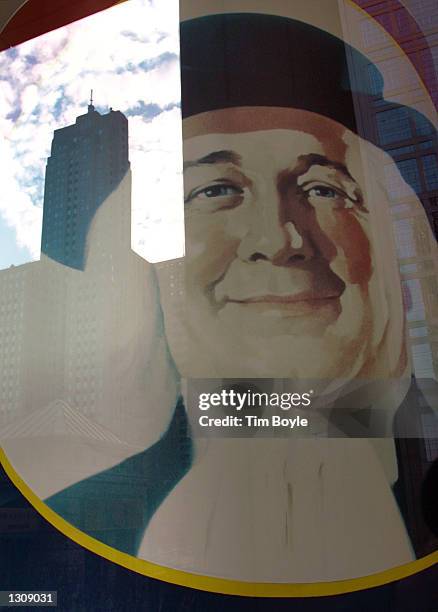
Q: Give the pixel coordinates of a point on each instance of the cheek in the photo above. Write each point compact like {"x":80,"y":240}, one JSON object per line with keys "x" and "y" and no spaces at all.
{"x":352,"y":260}
{"x":210,"y":248}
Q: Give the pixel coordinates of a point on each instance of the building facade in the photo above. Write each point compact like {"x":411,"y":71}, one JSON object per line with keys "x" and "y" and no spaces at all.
{"x":413,"y":147}
{"x":87,"y":162}
{"x":68,"y":321}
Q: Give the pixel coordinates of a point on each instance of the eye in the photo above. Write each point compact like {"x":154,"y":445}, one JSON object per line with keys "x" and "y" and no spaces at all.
{"x":322,"y":191}
{"x":215,"y":196}
{"x":221,"y":190}
{"x":338,"y":198}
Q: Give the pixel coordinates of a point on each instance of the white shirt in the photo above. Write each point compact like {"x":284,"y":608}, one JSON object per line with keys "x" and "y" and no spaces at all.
{"x":289,"y":510}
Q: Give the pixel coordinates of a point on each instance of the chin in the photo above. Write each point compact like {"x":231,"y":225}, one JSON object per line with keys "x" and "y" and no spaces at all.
{"x":282,"y":356}
{"x":257,"y":342}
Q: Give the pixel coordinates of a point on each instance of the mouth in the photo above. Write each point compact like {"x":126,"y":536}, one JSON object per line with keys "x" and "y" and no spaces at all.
{"x":280,"y":293}
{"x":288,"y":305}
{"x":297,"y":298}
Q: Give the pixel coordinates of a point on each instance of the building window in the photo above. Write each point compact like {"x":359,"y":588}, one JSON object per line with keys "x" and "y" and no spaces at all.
{"x":396,"y":187}
{"x":393,"y":125}
{"x":422,"y":126}
{"x":372,"y":34}
{"x":430,"y":171}
{"x":409,"y":171}
{"x":422,"y":360}
{"x":413,"y":300}
{"x":418,"y":332}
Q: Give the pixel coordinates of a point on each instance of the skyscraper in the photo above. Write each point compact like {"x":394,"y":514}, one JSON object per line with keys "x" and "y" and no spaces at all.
{"x":71,"y":324}
{"x":87,"y":162}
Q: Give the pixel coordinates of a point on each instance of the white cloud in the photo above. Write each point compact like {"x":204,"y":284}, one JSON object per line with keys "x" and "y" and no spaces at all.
{"x":46,"y":85}
{"x":157,"y":186}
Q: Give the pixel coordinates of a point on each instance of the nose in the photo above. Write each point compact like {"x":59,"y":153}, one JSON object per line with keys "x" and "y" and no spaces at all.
{"x":273,"y":237}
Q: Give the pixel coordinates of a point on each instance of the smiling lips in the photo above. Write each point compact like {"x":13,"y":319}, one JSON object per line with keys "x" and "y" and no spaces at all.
{"x":309,"y":297}
{"x":309,"y":285}
{"x":301,"y":304}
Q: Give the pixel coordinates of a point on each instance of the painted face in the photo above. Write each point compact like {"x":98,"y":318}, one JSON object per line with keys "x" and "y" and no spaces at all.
{"x":279,"y":266}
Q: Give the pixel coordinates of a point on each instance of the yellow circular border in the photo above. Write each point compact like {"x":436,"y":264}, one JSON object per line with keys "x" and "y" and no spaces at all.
{"x":208,"y":583}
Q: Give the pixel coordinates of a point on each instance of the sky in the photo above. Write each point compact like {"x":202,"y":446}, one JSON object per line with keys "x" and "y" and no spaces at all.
{"x":129,"y":56}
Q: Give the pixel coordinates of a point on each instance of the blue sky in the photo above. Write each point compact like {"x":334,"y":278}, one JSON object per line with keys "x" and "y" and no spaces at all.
{"x":129,"y":56}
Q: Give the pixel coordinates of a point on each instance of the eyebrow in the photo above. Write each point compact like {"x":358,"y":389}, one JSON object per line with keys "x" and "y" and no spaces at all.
{"x":305,"y":162}
{"x":215,"y":157}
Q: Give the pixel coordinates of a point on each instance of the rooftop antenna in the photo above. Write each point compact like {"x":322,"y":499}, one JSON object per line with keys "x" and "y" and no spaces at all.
{"x":90,"y":106}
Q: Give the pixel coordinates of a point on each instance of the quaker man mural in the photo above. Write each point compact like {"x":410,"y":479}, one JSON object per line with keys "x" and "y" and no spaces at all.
{"x":290,"y":272}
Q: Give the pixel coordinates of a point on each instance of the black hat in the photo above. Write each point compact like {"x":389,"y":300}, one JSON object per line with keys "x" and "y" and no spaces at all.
{"x":250,"y":59}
